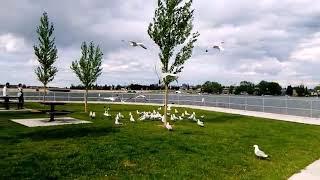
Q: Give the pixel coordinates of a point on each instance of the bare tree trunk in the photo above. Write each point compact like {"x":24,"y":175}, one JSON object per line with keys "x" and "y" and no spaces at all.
{"x":165,"y":103}
{"x":44,"y":93}
{"x":86,"y":101}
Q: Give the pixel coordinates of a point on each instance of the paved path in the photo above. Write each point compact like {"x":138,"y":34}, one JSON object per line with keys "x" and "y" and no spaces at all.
{"x":311,"y":172}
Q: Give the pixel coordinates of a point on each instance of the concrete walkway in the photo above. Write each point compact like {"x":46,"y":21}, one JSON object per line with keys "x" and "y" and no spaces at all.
{"x":311,"y":172}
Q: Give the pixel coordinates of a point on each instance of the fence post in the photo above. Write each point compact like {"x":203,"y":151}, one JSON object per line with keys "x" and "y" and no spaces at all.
{"x":263,"y":104}
{"x":286,"y":100}
{"x":68,"y":96}
{"x":246,"y":103}
{"x":229,"y":102}
{"x":54,"y":96}
{"x":311,"y":109}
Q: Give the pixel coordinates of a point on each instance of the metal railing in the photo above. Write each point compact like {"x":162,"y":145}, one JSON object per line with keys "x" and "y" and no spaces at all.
{"x":306,"y":107}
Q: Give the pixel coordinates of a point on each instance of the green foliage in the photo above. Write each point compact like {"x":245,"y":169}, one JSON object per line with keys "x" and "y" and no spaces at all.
{"x":245,"y":87}
{"x":301,"y":90}
{"x":171,"y":27}
{"x":289,"y":91}
{"x":46,"y":51}
{"x":88,"y":68}
{"x":269,"y":88}
{"x":211,"y":87}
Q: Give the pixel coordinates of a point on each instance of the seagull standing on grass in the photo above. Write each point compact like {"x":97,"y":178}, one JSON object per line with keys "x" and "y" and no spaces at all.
{"x":200,"y":123}
{"x":131,"y":118}
{"x":116,"y":122}
{"x":176,"y":111}
{"x":135,"y":44}
{"x":168,"y":126}
{"x":259,"y":153}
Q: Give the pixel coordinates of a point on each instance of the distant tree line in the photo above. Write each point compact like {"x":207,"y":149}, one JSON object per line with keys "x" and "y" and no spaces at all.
{"x":260,"y":89}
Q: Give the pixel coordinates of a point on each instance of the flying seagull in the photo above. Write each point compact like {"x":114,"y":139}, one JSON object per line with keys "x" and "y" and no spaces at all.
{"x":111,"y":98}
{"x":259,"y":153}
{"x":136,"y":44}
{"x":218,"y":47}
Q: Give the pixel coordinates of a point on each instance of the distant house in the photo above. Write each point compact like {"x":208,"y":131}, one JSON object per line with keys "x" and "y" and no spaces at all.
{"x":226,"y":90}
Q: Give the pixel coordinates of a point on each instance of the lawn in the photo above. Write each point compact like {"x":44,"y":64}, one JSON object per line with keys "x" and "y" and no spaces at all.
{"x":144,"y":150}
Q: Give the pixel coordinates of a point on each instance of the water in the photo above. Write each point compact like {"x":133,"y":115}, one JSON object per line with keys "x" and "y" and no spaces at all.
{"x":299,"y":106}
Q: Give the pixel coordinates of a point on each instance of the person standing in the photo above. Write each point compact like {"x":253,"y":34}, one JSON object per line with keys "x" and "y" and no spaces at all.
{"x":5,"y":94}
{"x":5,"y":89}
{"x":20,"y":96}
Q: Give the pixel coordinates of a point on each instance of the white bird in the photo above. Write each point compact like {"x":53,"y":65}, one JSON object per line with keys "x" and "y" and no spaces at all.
{"x":169,"y":107}
{"x":186,"y":113}
{"x":131,"y":118}
{"x":159,"y":109}
{"x":93,"y":115}
{"x":90,"y":114}
{"x":182,"y":115}
{"x":163,"y":119}
{"x":180,"y":118}
{"x":259,"y":153}
{"x":176,"y":111}
{"x":111,"y":98}
{"x":140,"y":96}
{"x":200,"y":123}
{"x":120,"y":115}
{"x":202,"y":116}
{"x":116,"y":122}
{"x":138,"y":112}
{"x":168,"y":126}
{"x":136,"y":44}
{"x":106,"y":113}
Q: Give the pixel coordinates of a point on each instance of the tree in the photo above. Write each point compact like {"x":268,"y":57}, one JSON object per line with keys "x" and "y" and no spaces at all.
{"x":269,"y":88}
{"x":211,"y":87}
{"x":46,"y":53}
{"x":245,"y":87}
{"x":289,"y":91}
{"x":171,"y":27}
{"x":88,"y":68}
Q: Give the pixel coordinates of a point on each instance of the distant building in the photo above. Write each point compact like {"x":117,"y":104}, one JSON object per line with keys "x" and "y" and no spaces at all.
{"x":226,"y":90}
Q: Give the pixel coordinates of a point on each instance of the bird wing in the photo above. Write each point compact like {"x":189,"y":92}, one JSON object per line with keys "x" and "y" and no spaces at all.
{"x":261,"y":154}
{"x":141,"y":45}
{"x":133,"y":43}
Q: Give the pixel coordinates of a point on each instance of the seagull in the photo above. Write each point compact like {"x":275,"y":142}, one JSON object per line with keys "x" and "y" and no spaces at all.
{"x":168,"y":126}
{"x":131,"y":118}
{"x":136,"y":44}
{"x":159,"y":109}
{"x":111,"y":98}
{"x":106,"y":112}
{"x":186,"y":113}
{"x":182,"y":115}
{"x":176,"y":111}
{"x":218,"y":47}
{"x":93,"y":115}
{"x":200,"y":123}
{"x":202,"y":116}
{"x":116,"y":122}
{"x":169,"y":107}
{"x":90,"y":114}
{"x":259,"y":153}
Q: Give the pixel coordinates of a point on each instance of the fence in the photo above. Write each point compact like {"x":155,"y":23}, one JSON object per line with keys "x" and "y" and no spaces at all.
{"x":307,"y":107}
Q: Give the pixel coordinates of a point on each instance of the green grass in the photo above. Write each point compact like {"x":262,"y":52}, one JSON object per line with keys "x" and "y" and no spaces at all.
{"x":144,"y":150}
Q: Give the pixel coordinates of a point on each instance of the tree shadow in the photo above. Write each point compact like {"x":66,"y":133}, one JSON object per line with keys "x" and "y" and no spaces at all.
{"x":67,"y":132}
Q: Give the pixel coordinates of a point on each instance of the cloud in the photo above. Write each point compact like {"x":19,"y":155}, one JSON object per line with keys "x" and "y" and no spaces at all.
{"x":264,"y":40}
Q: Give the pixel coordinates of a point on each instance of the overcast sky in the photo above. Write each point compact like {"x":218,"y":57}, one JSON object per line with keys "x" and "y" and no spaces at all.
{"x":264,"y":40}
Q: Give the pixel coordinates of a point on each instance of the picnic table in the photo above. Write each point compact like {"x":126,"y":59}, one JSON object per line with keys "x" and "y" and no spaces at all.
{"x":7,"y":101}
{"x":52,"y":112}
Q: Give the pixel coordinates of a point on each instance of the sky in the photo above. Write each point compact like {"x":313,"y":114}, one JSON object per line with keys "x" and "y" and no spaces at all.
{"x":264,"y":40}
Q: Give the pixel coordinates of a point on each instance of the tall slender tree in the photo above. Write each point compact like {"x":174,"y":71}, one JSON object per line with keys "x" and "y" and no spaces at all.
{"x":88,"y":68}
{"x":171,"y":30}
{"x":46,"y":53}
